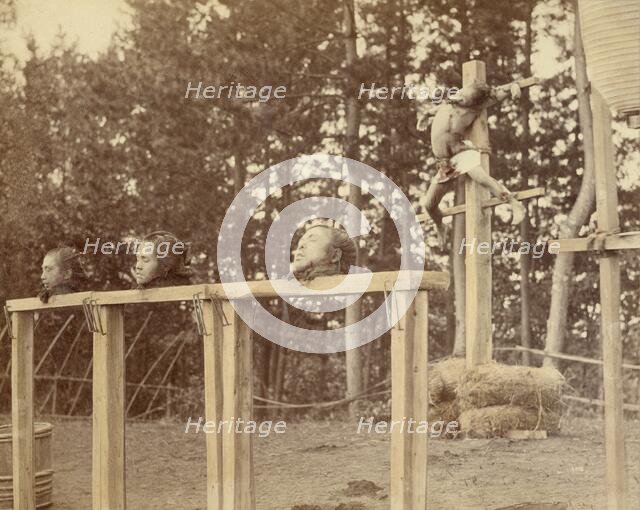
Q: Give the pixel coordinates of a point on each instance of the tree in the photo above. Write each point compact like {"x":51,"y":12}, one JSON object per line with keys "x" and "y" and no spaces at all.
{"x":582,"y":208}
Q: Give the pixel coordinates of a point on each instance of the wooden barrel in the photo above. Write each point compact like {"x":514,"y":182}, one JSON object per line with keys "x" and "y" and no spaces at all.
{"x":611,"y":37}
{"x":44,"y":473}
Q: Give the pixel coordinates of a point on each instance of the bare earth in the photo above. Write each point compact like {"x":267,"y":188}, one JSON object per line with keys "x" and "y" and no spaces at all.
{"x":310,"y":466}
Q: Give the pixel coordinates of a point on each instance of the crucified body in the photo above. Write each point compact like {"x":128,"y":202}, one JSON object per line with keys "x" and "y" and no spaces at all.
{"x":456,"y":156}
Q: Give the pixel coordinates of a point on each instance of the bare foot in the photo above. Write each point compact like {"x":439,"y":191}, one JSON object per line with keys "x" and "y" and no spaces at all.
{"x":518,"y":212}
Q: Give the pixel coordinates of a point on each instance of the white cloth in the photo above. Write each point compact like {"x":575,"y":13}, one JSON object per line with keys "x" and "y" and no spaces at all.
{"x":459,"y":164}
{"x":466,"y":160}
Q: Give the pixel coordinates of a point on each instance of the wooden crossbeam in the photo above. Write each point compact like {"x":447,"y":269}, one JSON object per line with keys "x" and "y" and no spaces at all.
{"x":523,"y":83}
{"x":492,"y":202}
{"x":624,"y":241}
{"x":380,"y":282}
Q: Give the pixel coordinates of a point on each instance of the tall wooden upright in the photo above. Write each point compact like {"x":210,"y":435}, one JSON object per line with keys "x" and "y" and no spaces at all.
{"x":24,"y":497}
{"x":237,"y":461}
{"x":212,"y":353}
{"x":478,"y":231}
{"x":108,"y":475}
{"x":607,"y":208}
{"x":409,"y":355}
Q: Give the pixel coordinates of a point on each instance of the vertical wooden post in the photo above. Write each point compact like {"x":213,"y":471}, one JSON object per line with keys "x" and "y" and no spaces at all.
{"x":212,"y":348}
{"x":607,"y":207}
{"x":24,"y":462}
{"x":478,"y":231}
{"x":108,"y":475}
{"x":237,"y":389}
{"x":409,"y":395}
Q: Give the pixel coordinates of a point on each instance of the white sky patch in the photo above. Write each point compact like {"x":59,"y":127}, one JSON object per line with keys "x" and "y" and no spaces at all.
{"x":90,"y":23}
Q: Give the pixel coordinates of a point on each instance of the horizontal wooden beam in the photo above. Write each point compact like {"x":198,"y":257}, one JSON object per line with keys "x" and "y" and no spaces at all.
{"x":559,"y":355}
{"x":523,"y":83}
{"x":625,"y":241}
{"x":492,"y":202}
{"x":380,"y":282}
{"x":600,"y":403}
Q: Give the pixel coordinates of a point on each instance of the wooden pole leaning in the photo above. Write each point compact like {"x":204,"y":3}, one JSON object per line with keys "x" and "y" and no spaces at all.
{"x":478,"y":230}
{"x":108,"y":473}
{"x":24,"y":462}
{"x":409,"y":390}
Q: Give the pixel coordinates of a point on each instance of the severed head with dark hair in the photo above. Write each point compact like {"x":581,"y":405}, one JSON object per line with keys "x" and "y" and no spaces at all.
{"x":323,"y":251}
{"x":63,"y":272}
{"x":162,"y":260}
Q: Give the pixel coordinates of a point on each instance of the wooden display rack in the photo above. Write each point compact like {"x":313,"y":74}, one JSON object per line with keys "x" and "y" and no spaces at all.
{"x":228,"y":388}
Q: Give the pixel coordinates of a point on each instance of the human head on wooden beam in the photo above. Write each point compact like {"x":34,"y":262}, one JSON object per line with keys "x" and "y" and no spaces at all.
{"x":162,"y":260}
{"x":63,"y":272}
{"x":323,"y":250}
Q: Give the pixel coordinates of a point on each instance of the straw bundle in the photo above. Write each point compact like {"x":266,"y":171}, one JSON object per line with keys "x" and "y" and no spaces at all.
{"x":496,"y":421}
{"x":495,"y":384}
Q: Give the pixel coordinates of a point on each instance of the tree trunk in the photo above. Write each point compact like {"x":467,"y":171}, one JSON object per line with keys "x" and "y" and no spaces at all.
{"x":459,"y":273}
{"x":458,"y":264}
{"x":353,"y":313}
{"x":557,"y":322}
{"x":526,"y":258}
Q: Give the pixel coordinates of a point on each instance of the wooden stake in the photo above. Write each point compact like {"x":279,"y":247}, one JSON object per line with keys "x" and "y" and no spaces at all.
{"x":237,"y":457}
{"x":80,"y":387}
{"x":152,"y":368}
{"x":108,"y":475}
{"x":24,"y":460}
{"x":62,"y":367}
{"x":478,"y":230}
{"x":138,"y":334}
{"x":53,"y":343}
{"x":167,"y":372}
{"x":212,"y":353}
{"x":607,"y":208}
{"x":409,"y":354}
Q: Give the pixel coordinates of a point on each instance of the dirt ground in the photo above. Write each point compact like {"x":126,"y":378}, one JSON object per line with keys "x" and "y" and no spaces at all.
{"x":328,"y":465}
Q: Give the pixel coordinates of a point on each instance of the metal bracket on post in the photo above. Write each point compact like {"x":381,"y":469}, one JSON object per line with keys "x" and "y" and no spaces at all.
{"x":198,"y":315}
{"x":389,"y":304}
{"x":219,"y":309}
{"x":92,"y":316}
{"x":7,"y":318}
{"x":386,"y":303}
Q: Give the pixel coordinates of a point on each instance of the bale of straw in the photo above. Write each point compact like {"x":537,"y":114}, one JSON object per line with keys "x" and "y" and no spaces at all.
{"x":450,"y":372}
{"x":494,"y":384}
{"x":436,"y":387}
{"x":443,"y":411}
{"x":447,"y":413}
{"x":496,"y":421}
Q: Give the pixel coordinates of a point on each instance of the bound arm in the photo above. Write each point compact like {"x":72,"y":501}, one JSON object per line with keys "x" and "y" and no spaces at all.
{"x":513,"y":90}
{"x":423,"y":119}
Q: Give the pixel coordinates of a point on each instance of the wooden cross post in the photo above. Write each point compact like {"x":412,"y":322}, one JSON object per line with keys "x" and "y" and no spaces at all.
{"x":477,"y":241}
{"x":607,"y":243}
{"x":478,"y":232}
